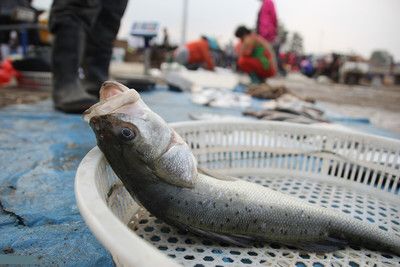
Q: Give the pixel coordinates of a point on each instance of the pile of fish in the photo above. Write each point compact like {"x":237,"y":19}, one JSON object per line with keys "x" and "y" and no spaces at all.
{"x":289,"y":108}
{"x":221,"y":98}
{"x":160,"y":172}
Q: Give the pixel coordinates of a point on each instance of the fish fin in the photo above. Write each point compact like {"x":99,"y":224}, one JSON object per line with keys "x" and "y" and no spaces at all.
{"x":216,"y":174}
{"x":237,"y":240}
{"x":324,"y":246}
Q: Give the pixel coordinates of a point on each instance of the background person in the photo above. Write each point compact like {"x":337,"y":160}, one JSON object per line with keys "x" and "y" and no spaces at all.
{"x":268,"y":27}
{"x":197,"y":54}
{"x":255,"y":55}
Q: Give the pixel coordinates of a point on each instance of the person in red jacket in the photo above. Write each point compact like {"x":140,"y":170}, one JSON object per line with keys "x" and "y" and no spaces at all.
{"x":195,"y":54}
{"x":255,"y":55}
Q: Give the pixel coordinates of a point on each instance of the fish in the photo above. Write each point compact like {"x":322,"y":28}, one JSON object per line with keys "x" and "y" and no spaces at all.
{"x":161,"y":173}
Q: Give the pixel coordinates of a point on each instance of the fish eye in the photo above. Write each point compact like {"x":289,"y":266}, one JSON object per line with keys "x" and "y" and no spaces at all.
{"x":127,"y":134}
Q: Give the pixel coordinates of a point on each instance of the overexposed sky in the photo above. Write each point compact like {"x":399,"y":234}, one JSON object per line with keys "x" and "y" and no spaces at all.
{"x":358,"y":26}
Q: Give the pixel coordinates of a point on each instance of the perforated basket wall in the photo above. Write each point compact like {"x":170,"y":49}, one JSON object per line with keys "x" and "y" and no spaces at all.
{"x":352,"y":173}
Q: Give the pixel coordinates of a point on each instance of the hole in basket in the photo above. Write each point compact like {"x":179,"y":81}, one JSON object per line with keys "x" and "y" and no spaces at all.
{"x":158,"y":221}
{"x":318,"y":264}
{"x":208,"y":258}
{"x":383,"y":228}
{"x":227,"y":259}
{"x":275,"y":246}
{"x":252,"y":253}
{"x":207,"y":242}
{"x":180,"y":249}
{"x":172,"y":240}
{"x":305,"y":256}
{"x":155,"y":238}
{"x":246,"y":261}
{"x":189,"y":257}
{"x":148,"y":229}
{"x":234,"y":252}
{"x":216,"y":251}
{"x":387,"y":256}
{"x":370,"y":219}
{"x":353,"y":264}
{"x":165,"y":230}
{"x":189,"y":241}
{"x":300,"y":264}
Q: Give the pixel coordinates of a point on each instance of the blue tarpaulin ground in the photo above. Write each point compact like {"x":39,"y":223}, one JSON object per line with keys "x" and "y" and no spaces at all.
{"x":40,"y":150}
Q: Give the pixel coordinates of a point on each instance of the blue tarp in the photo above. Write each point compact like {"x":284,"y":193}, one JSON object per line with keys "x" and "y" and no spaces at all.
{"x":40,"y":150}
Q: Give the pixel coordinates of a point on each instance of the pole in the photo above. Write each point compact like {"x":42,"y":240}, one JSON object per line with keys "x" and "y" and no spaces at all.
{"x":184,"y":21}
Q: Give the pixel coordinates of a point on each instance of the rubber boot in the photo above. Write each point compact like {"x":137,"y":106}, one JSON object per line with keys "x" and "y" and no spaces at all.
{"x":99,"y":43}
{"x":68,"y":94}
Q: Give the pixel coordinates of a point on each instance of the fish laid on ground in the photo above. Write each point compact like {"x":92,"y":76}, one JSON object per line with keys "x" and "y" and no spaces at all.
{"x":160,"y":172}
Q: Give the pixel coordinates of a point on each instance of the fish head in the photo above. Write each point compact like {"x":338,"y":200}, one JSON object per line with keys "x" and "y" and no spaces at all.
{"x":135,"y":139}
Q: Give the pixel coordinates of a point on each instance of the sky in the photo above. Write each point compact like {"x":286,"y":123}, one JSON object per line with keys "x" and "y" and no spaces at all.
{"x":347,"y":26}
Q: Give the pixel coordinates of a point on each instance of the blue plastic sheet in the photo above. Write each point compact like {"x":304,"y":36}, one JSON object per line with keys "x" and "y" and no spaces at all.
{"x":39,"y":153}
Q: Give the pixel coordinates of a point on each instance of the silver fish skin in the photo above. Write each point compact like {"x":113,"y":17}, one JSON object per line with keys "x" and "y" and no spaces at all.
{"x":160,"y":172}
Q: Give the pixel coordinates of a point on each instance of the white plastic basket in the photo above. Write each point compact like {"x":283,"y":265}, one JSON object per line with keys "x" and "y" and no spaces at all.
{"x":351,"y":172}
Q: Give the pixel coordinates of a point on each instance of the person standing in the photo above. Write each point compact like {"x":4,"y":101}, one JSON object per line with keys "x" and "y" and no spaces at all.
{"x":268,"y":28}
{"x":84,"y":31}
{"x":267,"y":22}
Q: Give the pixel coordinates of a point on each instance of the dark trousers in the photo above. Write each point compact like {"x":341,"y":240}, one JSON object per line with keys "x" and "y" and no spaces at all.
{"x":84,"y":31}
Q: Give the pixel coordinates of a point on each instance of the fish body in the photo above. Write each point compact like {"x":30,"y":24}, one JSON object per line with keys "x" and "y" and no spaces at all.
{"x":158,"y":169}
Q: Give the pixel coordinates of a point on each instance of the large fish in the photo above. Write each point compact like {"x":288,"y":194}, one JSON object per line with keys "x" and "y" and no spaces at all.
{"x":160,"y":172}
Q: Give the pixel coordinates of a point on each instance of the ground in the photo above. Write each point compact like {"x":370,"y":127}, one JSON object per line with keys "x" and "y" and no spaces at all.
{"x":380,"y":105}
{"x":15,"y":95}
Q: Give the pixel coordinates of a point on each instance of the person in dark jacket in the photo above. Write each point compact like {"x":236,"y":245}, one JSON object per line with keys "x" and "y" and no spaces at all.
{"x":84,"y":31}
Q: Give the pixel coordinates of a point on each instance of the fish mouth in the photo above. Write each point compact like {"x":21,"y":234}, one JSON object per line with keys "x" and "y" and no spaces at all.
{"x":109,"y":105}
